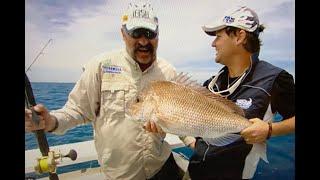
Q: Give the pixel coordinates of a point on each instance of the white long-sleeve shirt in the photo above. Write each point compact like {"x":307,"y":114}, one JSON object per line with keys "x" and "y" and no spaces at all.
{"x":109,"y":82}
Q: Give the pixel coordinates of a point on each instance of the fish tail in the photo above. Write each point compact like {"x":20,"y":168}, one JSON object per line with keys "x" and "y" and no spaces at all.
{"x":258,"y":151}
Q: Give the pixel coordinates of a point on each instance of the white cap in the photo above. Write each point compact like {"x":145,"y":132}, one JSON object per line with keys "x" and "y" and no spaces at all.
{"x":140,"y":15}
{"x":243,"y":18}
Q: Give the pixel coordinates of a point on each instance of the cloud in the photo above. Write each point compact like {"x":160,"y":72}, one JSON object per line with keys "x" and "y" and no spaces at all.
{"x":84,"y":29}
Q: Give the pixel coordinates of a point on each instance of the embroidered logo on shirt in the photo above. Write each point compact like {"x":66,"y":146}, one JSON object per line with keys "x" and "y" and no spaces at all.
{"x":112,"y":69}
{"x":243,"y":103}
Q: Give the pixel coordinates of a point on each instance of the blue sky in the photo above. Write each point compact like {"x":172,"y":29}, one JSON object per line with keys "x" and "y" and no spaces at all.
{"x":81,"y":29}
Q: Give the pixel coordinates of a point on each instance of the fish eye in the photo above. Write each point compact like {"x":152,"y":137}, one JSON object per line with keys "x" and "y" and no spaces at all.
{"x":137,"y":100}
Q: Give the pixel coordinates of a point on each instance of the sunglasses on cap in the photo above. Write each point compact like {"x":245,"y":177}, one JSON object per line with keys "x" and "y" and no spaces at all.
{"x":138,"y":33}
{"x":226,"y":92}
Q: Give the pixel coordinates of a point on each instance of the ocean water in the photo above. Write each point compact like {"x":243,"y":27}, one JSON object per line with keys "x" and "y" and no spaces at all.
{"x":280,"y":150}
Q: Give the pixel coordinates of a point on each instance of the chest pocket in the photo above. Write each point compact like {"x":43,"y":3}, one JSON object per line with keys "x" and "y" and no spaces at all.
{"x":113,"y":97}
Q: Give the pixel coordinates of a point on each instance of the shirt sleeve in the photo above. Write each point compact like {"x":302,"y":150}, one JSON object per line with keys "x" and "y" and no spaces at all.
{"x":283,"y":95}
{"x":83,"y":101}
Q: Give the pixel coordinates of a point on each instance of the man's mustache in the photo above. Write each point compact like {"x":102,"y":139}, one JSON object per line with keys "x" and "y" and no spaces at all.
{"x":147,"y":47}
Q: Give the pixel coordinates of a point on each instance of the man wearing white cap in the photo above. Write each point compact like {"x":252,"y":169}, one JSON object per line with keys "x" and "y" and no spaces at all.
{"x":111,"y":81}
{"x":258,"y":87}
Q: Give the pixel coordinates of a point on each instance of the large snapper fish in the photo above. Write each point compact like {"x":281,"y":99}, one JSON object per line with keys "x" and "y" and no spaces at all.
{"x":185,"y":108}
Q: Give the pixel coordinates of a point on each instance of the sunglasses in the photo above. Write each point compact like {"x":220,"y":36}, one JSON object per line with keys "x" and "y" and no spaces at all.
{"x":226,"y":92}
{"x":138,"y":33}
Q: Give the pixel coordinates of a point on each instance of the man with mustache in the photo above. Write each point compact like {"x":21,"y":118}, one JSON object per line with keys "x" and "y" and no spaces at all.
{"x":111,"y":81}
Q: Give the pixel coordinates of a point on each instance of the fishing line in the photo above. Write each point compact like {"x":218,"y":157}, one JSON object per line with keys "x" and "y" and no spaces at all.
{"x":41,"y":52}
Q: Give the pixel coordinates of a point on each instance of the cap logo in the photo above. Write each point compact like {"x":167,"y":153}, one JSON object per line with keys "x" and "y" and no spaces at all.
{"x":228,"y":19}
{"x":140,"y":13}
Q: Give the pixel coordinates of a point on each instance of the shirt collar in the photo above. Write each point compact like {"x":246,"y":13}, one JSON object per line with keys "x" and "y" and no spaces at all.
{"x":255,"y":60}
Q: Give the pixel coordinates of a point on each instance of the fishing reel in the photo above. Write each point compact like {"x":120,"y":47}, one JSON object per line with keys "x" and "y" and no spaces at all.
{"x":49,"y":163}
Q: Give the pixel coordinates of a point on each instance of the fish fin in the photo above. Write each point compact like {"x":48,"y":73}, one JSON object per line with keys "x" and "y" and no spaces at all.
{"x":258,"y":151}
{"x":184,"y":79}
{"x":268,"y":116}
{"x":223,"y":140}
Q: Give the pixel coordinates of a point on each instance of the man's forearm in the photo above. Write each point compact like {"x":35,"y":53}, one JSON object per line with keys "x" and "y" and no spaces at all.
{"x":284,"y":127}
{"x":65,"y":120}
{"x":53,"y":125}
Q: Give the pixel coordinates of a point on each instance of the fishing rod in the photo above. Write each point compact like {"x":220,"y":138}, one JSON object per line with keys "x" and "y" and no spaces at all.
{"x":49,"y":159}
{"x":41,"y":52}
